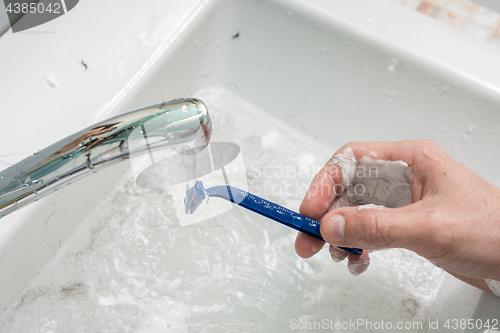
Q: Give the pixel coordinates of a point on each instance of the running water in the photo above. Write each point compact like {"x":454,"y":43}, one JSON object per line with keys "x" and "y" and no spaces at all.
{"x":189,"y":162}
{"x":130,"y":267}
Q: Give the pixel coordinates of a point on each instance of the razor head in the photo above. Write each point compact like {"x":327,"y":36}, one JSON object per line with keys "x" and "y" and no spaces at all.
{"x":194,"y":197}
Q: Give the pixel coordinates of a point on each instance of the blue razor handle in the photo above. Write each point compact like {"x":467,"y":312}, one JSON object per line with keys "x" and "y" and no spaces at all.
{"x":271,"y":210}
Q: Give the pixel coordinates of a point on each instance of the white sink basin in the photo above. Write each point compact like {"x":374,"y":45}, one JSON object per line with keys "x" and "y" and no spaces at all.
{"x":331,"y":72}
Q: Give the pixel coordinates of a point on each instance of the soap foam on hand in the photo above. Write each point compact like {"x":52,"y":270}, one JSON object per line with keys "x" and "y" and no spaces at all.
{"x":383,"y":183}
{"x":372,"y":183}
{"x":130,"y":266}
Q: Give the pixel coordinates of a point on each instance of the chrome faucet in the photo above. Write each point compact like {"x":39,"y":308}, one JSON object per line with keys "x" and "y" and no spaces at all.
{"x":181,"y":124}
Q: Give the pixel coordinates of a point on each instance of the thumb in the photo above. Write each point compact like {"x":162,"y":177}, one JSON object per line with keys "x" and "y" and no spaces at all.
{"x":374,"y":227}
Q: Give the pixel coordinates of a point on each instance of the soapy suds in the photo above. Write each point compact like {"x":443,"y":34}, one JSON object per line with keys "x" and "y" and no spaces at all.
{"x":383,"y":183}
{"x":494,"y":286}
{"x":371,"y":206}
{"x":371,"y":183}
{"x":131,"y":267}
{"x":348,"y":164}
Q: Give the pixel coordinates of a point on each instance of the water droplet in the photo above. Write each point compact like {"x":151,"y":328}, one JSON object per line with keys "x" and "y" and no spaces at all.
{"x":391,"y":64}
{"x":470,"y":128}
{"x":185,"y":108}
{"x":81,"y":143}
{"x":28,"y":181}
{"x":51,"y":81}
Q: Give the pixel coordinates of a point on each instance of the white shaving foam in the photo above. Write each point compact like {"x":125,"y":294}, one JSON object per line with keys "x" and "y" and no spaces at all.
{"x":371,"y":206}
{"x":347,"y":163}
{"x":381,"y":183}
{"x":494,"y":286}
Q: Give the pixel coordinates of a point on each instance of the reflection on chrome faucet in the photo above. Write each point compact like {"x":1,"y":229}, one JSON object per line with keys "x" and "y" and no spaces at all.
{"x":183,"y":125}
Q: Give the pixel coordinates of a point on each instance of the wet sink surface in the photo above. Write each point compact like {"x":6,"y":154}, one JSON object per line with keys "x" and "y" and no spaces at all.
{"x":303,"y":73}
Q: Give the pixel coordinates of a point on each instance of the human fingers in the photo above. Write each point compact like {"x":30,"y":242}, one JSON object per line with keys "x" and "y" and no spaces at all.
{"x":358,"y":264}
{"x":376,"y":228}
{"x":307,"y":246}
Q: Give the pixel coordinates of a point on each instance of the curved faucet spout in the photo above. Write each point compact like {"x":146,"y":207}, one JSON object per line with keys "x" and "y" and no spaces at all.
{"x":181,"y":124}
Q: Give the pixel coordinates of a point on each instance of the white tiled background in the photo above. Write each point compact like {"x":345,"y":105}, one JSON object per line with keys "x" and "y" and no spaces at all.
{"x":479,"y":19}
{"x":491,"y":4}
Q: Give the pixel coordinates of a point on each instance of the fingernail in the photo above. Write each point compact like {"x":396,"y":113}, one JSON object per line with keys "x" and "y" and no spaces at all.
{"x":337,"y":254}
{"x":358,"y":267}
{"x":335,"y":228}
